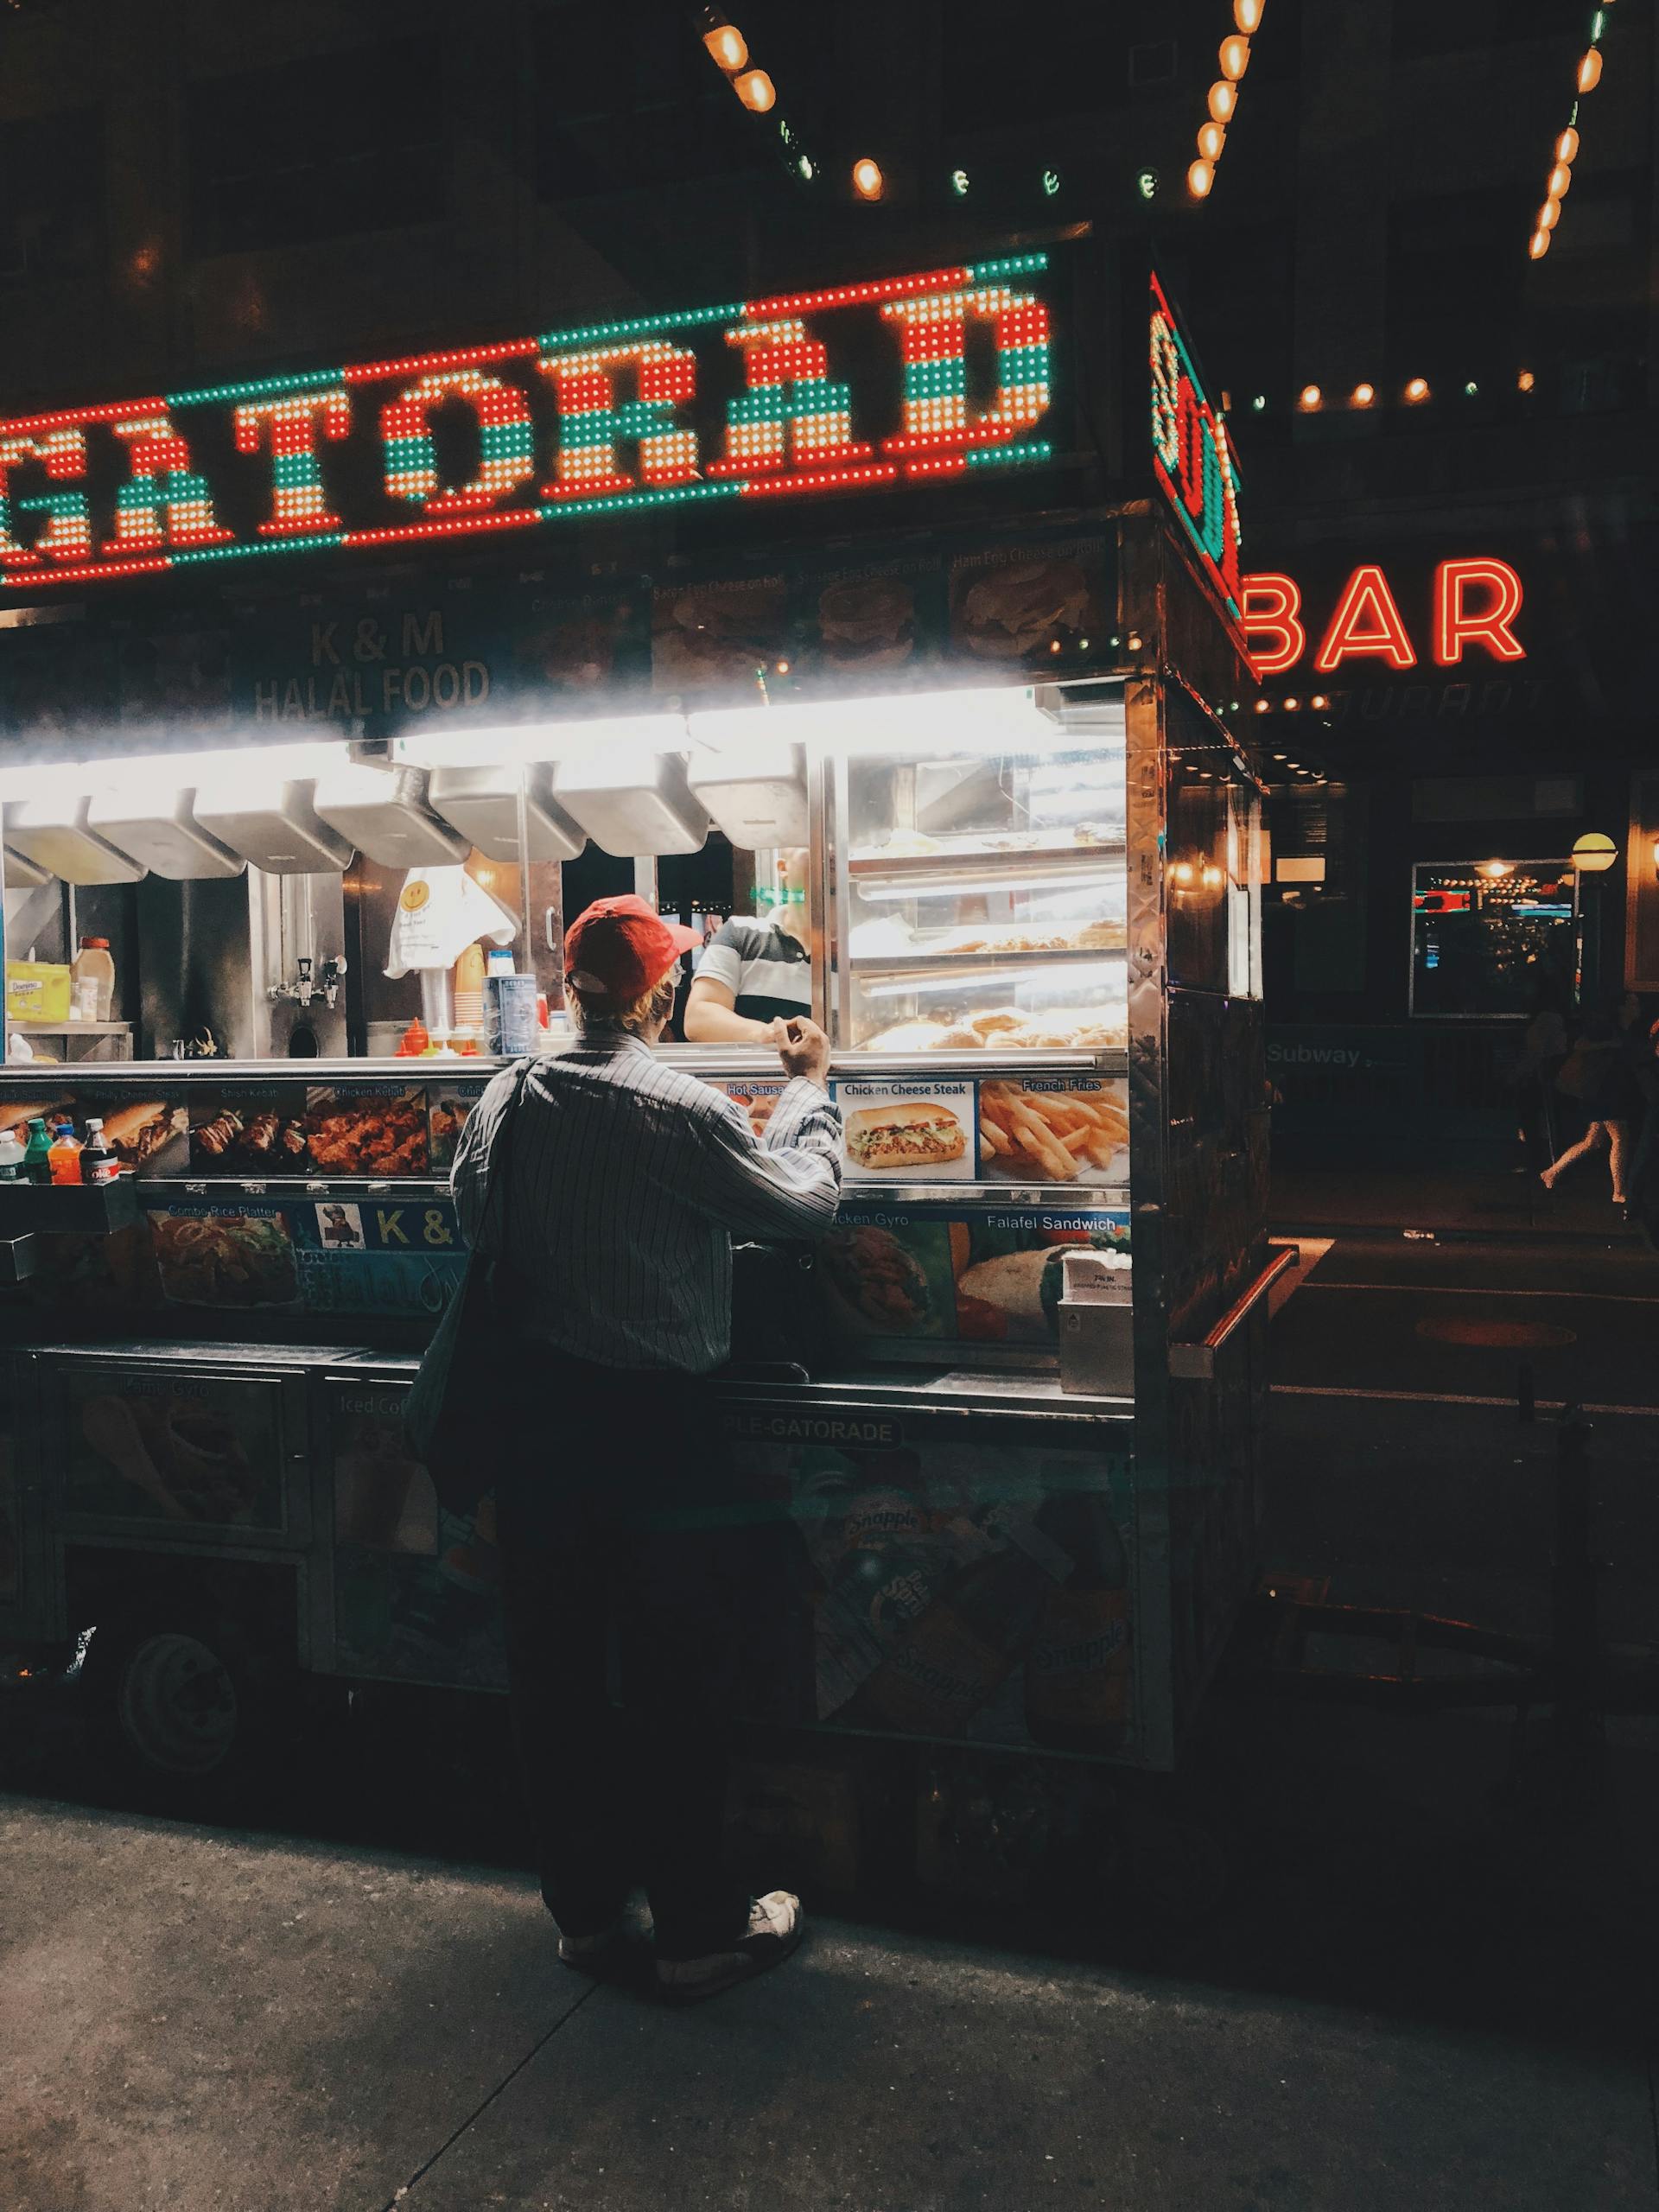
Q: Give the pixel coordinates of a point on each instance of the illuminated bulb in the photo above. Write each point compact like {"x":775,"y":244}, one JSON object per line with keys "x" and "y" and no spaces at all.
{"x":1560,"y":179}
{"x":1212,"y":139}
{"x":1310,"y":398}
{"x":1180,"y":871}
{"x":1538,"y":246}
{"x":1292,"y":705}
{"x":1364,"y":394}
{"x":1247,"y":13}
{"x":1548,"y":215}
{"x":1471,"y":389}
{"x":1258,"y":405}
{"x":1265,"y":707}
{"x":959,"y":183}
{"x":1319,"y":702}
{"x":756,"y":91}
{"x":1417,"y":390}
{"x":1525,"y":381}
{"x":867,"y":180}
{"x":1567,"y":146}
{"x":1235,"y":57}
{"x":1223,"y":98}
{"x":1199,"y":178}
{"x":727,"y":48}
{"x":1590,"y":70}
{"x":1050,"y":183}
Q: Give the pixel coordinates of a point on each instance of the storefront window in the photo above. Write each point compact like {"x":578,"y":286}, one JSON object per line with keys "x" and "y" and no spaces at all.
{"x":1492,"y":937}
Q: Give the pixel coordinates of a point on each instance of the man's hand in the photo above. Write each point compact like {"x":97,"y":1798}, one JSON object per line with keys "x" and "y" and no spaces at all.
{"x":805,"y":1050}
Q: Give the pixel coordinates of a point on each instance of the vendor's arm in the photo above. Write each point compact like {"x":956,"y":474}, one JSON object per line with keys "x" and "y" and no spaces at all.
{"x":711,"y":1017}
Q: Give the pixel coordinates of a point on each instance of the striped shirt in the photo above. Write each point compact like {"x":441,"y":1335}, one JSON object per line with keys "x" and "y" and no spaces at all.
{"x":768,"y":973}
{"x":628,"y":1180}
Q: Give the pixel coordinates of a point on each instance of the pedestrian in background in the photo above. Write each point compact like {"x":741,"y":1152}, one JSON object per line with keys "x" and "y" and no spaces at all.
{"x":1605,"y":1087}
{"x":1543,"y":1055}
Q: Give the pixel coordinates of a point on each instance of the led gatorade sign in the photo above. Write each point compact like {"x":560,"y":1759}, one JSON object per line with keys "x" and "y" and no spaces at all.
{"x":844,"y":391}
{"x":1191,"y":456}
{"x":1473,"y":603}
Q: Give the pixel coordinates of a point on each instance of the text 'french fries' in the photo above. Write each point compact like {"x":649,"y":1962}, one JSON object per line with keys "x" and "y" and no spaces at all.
{"x":1045,"y":1133}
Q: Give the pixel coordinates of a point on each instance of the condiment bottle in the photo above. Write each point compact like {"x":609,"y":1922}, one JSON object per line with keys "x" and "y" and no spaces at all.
{"x":93,"y":962}
{"x":414,"y":1041}
{"x":64,"y":1157}
{"x":37,"y":1157}
{"x":11,"y":1157}
{"x":99,"y":1163}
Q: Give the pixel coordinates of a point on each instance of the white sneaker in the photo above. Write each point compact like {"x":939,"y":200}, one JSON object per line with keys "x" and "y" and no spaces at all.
{"x":776,"y":1926}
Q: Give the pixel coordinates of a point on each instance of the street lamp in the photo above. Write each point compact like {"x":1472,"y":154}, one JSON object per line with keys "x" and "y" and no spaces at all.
{"x":1592,"y":855}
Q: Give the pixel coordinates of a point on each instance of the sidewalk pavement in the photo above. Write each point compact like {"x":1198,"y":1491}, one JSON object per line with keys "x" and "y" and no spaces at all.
{"x":1364,"y":1201}
{"x":210,"y":2021}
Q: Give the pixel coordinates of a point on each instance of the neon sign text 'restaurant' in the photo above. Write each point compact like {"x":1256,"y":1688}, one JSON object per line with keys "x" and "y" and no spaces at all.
{"x":574,"y":422}
{"x":1473,"y":603}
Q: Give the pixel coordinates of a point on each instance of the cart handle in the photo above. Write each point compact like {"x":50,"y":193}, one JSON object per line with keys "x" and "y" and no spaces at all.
{"x":1196,"y":1362}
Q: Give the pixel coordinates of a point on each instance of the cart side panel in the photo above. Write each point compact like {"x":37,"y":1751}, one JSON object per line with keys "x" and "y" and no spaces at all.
{"x":31,"y":1596}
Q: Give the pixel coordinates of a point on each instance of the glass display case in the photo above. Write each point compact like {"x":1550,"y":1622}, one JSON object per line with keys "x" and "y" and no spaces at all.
{"x":978,"y":865}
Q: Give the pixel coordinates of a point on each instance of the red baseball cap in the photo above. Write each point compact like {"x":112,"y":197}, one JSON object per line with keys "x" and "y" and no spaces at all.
{"x":619,"y":948}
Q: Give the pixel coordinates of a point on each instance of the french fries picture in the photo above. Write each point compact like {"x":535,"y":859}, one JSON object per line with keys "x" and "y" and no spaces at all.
{"x":1049,"y":1135}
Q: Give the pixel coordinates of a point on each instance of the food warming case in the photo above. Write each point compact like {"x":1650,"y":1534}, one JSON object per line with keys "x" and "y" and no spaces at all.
{"x":1006,"y":1492}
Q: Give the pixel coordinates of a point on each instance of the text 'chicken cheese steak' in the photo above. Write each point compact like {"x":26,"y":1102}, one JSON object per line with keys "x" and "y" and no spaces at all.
{"x":900,"y":1135}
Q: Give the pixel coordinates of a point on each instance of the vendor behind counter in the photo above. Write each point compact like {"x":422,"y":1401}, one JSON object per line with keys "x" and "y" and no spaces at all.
{"x":756,"y":975}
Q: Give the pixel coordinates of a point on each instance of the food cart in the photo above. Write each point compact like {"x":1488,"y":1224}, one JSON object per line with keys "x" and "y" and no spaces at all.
{"x":977,"y":654}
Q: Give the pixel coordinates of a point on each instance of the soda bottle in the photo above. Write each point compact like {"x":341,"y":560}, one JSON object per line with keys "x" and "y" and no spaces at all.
{"x":98,"y":1162}
{"x":37,"y":1155}
{"x":63,"y":1157}
{"x":11,"y":1157}
{"x":1077,"y":1670}
{"x":952,"y":1660}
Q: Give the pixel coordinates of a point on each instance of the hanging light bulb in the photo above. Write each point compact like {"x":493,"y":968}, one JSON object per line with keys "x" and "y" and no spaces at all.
{"x":1525,"y":381}
{"x":1223,"y":98}
{"x":1199,"y":178}
{"x":867,"y":180}
{"x":1234,"y":58}
{"x":727,"y":48}
{"x":1567,"y":146}
{"x":756,"y":91}
{"x":1590,"y":70}
{"x":1538,"y":245}
{"x":1212,"y":139}
{"x":1247,"y":13}
{"x":1548,"y":215}
{"x":1560,"y":179}
{"x":1309,"y":399}
{"x":1417,"y":390}
{"x":1364,"y":394}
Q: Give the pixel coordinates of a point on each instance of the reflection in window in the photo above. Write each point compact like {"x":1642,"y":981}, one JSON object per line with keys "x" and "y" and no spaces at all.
{"x":1492,"y":937}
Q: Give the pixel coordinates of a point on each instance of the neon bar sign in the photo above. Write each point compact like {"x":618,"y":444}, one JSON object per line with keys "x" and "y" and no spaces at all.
{"x":1472,"y":602}
{"x":1191,"y":458}
{"x":594,"y":422}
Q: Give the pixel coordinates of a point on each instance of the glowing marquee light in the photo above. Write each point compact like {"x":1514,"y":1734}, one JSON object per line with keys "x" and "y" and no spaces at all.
{"x":1474,"y":601}
{"x":1191,"y":455}
{"x":611,"y":386}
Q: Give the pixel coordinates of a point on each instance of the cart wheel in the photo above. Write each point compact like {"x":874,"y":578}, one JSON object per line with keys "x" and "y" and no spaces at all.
{"x":176,"y":1701}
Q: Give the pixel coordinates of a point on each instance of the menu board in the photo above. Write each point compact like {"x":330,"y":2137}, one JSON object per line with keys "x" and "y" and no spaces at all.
{"x":387,"y":1257}
{"x":150,"y":1446}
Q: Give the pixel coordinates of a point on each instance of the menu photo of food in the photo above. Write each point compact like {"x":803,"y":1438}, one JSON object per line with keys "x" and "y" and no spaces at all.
{"x":174,"y":1447}
{"x":206,"y":1257}
{"x":1010,"y":1277}
{"x":369,"y":1128}
{"x":261,"y":1133}
{"x":888,"y":1274}
{"x":757,"y":1100}
{"x":1055,"y":1130}
{"x":141,"y":1132}
{"x":713,"y":637}
{"x":1022,"y":603}
{"x":922,"y":1131}
{"x":449,"y":1105}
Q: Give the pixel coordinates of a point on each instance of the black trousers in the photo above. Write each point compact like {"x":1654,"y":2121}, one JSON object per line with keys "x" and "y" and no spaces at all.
{"x":612,"y":1530}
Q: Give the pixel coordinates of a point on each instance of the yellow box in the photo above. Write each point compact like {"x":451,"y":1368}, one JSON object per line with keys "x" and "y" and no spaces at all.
{"x":36,"y":990}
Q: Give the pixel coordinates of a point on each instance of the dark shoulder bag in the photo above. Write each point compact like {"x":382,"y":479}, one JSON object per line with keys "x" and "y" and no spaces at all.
{"x":469,"y":1368}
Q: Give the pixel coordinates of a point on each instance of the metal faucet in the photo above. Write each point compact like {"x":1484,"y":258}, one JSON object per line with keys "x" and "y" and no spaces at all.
{"x":301,"y":991}
{"x":329,"y":980}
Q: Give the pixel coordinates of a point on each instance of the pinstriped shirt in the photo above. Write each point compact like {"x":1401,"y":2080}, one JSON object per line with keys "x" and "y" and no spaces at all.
{"x":626,"y":1180}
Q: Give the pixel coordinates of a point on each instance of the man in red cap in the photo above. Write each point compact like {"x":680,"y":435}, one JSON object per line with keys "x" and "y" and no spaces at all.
{"x":624,"y":1181}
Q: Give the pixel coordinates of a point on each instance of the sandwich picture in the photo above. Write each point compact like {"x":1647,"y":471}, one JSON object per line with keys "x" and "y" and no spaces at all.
{"x":868,"y":623}
{"x":136,"y":1134}
{"x":906,"y":1133}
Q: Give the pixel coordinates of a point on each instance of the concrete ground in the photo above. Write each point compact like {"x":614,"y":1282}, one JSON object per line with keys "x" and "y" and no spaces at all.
{"x":1429,"y":1983}
{"x":194,"y":2019}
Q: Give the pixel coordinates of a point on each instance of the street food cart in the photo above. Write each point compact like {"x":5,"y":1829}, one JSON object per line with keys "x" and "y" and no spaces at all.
{"x":976,"y":654}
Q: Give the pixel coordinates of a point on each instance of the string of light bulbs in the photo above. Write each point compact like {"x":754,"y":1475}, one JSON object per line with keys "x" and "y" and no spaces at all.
{"x":1234,"y":59}
{"x":1415,"y":392}
{"x":728,"y":50}
{"x":1567,"y":146}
